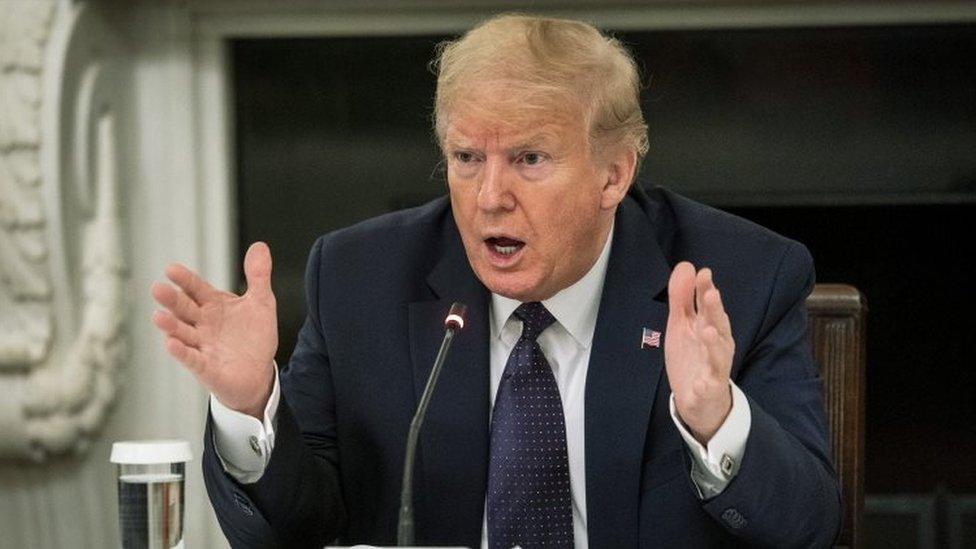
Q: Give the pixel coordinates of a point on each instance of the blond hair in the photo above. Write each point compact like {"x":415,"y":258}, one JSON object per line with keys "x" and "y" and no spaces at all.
{"x":541,"y":65}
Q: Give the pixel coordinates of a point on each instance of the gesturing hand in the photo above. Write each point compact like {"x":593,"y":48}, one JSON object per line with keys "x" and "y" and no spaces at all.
{"x":227,"y":341}
{"x":698,"y":349}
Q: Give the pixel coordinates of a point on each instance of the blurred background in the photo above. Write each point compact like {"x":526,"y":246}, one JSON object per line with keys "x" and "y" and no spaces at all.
{"x":849,"y":126}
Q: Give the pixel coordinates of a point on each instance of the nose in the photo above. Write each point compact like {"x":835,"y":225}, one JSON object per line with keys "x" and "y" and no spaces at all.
{"x":495,"y":192}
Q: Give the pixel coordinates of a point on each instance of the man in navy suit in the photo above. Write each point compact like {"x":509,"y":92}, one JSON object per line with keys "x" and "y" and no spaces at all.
{"x":552,"y":423}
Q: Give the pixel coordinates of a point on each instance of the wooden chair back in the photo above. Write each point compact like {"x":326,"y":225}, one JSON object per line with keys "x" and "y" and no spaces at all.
{"x":837,"y":315}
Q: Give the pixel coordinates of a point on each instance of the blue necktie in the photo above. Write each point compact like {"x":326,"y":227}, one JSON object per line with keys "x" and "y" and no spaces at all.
{"x":529,"y":499}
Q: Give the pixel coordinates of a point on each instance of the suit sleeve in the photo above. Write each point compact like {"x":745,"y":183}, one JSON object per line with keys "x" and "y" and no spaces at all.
{"x":785,"y":493}
{"x":297,"y":502}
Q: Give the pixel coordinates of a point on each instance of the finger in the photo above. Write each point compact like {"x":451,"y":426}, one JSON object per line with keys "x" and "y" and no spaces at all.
{"x":177,"y":302}
{"x":175,"y":327}
{"x":703,"y":283}
{"x":719,"y":357}
{"x":257,"y":270}
{"x":681,"y":289}
{"x":715,"y":314}
{"x":198,"y":289}
{"x":188,"y":356}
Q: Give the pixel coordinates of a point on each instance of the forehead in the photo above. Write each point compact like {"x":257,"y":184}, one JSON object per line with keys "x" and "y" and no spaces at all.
{"x":467,"y":132}
{"x":513,"y":111}
{"x":482,"y":127}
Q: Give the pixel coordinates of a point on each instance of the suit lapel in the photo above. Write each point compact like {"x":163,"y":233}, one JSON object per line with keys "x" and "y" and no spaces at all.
{"x":453,"y":449}
{"x":622,"y":379}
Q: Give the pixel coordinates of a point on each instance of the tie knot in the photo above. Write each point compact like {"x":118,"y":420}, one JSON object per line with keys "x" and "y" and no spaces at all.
{"x":535,"y":318}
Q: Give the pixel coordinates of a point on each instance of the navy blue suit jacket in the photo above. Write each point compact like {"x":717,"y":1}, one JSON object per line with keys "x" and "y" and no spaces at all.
{"x":377,"y":295}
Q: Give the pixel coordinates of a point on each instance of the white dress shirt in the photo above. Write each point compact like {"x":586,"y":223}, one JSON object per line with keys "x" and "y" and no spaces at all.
{"x":244,"y":443}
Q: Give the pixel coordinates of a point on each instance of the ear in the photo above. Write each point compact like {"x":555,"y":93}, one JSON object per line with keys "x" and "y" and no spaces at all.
{"x":620,"y":174}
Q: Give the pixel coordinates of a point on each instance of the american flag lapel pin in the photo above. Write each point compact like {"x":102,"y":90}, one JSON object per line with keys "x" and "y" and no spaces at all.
{"x":650,"y":338}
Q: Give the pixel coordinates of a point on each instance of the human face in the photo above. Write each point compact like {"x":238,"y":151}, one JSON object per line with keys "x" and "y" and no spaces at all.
{"x":533,"y":207}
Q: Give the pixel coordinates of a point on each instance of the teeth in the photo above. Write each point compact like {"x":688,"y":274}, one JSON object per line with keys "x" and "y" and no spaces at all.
{"x":505,"y":250}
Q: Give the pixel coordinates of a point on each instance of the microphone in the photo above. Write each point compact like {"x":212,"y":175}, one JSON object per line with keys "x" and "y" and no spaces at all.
{"x":452,"y":324}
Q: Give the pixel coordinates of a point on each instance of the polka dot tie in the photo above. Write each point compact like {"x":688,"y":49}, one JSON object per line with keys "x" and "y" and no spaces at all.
{"x":529,"y":500}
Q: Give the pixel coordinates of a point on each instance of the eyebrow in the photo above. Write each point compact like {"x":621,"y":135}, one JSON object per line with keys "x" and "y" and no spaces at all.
{"x":542,"y":138}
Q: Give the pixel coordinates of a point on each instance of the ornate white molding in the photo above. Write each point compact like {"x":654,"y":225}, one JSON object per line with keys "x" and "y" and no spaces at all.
{"x":25,"y":296}
{"x":62,"y":272}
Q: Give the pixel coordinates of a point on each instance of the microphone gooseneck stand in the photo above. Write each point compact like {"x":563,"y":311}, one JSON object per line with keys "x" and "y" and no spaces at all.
{"x":405,"y":526}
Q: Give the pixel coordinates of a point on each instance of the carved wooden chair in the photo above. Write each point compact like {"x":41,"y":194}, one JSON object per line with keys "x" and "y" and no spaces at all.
{"x":837,"y":333}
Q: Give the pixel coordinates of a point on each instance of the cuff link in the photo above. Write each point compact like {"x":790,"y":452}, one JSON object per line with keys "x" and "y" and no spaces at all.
{"x":727,"y":464}
{"x":257,"y":447}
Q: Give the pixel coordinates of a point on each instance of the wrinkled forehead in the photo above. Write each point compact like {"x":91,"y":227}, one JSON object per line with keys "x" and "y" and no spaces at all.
{"x":512,"y":115}
{"x":479,"y":134}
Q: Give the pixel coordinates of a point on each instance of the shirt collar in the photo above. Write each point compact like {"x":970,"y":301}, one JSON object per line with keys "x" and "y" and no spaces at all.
{"x":574,"y":307}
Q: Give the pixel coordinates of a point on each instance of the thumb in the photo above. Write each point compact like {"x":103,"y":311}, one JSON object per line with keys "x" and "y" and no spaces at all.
{"x":257,"y":270}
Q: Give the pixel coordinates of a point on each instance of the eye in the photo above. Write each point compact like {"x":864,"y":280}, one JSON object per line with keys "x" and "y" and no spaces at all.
{"x":465,"y":163}
{"x":532,"y":158}
{"x":464,"y":157}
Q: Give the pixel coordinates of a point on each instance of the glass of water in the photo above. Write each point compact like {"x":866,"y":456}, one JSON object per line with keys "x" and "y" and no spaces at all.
{"x":150,"y":480}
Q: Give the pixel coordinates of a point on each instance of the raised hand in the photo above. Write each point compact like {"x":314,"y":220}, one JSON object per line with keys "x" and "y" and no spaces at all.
{"x":227,"y":341}
{"x":698,"y":349}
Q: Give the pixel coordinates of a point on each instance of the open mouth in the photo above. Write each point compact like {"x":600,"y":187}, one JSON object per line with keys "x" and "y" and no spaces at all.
{"x":504,"y":249}
{"x":505,"y":246}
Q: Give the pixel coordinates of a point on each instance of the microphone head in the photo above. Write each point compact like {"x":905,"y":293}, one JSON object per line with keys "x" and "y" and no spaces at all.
{"x":455,"y":317}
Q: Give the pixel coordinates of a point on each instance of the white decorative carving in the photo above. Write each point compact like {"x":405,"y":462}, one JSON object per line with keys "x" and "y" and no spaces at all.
{"x":25,"y":292}
{"x":60,"y":230}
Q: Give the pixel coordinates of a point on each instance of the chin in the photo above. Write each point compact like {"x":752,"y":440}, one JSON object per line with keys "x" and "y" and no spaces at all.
{"x":512,"y":287}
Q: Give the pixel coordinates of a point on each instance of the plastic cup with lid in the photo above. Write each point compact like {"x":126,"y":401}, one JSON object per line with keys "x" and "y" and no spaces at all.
{"x":150,"y":484}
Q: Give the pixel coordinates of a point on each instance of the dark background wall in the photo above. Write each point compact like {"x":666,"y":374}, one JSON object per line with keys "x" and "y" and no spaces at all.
{"x":860,"y":142}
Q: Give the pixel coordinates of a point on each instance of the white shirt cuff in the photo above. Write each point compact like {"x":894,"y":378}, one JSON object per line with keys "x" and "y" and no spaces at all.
{"x":243,"y":443}
{"x":712,"y":468}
